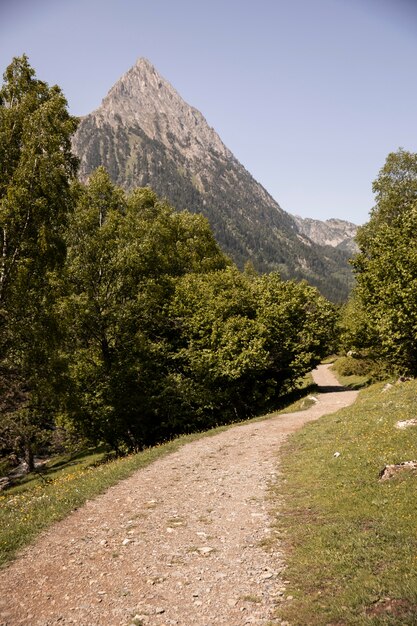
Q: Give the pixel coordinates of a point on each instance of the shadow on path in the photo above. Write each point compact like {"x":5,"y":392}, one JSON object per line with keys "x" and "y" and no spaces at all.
{"x":331,"y":389}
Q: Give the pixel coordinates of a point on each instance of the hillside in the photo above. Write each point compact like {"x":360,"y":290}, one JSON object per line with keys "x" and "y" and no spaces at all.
{"x":145,"y":134}
{"x":349,"y":513}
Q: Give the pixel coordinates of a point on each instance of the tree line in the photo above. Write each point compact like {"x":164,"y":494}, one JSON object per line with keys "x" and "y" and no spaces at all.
{"x":121,"y":319}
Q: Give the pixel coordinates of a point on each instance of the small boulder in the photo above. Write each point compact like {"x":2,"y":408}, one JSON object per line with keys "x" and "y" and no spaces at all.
{"x":390,"y":471}
{"x":402,"y":424}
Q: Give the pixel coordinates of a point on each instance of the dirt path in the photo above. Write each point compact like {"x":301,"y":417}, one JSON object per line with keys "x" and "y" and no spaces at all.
{"x":179,"y":542}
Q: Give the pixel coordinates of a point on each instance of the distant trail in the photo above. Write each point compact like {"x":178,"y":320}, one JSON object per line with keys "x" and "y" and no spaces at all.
{"x":179,"y":542}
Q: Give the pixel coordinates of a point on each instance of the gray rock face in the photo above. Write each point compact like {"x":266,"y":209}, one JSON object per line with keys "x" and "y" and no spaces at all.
{"x":333,"y":232}
{"x":145,"y":134}
{"x":143,"y":99}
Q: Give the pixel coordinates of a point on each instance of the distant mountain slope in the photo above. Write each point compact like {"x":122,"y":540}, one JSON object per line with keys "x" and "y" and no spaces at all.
{"x":145,"y":134}
{"x":333,"y":232}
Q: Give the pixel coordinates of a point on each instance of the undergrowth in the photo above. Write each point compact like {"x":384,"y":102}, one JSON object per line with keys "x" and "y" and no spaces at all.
{"x":357,"y":371}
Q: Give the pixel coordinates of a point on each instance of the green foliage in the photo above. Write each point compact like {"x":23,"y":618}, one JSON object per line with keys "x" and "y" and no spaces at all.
{"x":219,"y":350}
{"x":244,"y":340}
{"x":300,"y":326}
{"x":360,"y":370}
{"x":166,"y":336}
{"x":355,"y":330}
{"x":124,"y":255}
{"x":351,"y":366}
{"x":386,"y":267}
{"x":36,"y":165}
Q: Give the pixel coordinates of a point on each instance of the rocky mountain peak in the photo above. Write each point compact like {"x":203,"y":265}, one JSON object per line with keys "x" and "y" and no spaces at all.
{"x":143,"y":97}
{"x":145,"y":65}
{"x":144,"y":133}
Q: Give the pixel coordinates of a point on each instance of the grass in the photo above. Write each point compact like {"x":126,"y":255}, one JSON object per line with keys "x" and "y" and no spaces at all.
{"x":68,"y":482}
{"x":352,"y":381}
{"x":38,"y":501}
{"x":351,"y":539}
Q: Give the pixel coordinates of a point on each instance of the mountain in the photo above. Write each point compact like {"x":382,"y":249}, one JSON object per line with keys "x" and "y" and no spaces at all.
{"x":145,"y":134}
{"x":333,"y":232}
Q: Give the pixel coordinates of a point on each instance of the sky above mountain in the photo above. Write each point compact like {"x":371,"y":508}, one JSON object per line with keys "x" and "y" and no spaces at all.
{"x":309,"y":96}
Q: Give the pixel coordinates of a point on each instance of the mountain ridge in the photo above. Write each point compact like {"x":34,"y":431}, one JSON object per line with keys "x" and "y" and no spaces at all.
{"x":333,"y":232}
{"x":144,"y":133}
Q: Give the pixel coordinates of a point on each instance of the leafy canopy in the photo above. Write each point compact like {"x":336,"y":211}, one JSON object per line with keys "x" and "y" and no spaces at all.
{"x":36,"y":166}
{"x":386,"y":267}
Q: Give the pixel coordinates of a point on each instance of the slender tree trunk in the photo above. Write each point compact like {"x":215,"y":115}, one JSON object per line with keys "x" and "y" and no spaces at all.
{"x":29,"y":457}
{"x":105,"y":350}
{"x":3,"y":263}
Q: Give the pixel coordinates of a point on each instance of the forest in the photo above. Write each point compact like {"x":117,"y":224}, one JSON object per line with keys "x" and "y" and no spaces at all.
{"x":122,"y":321}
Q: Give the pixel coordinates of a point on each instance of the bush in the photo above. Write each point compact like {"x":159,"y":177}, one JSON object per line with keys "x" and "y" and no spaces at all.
{"x":367,"y":367}
{"x":352,"y":366}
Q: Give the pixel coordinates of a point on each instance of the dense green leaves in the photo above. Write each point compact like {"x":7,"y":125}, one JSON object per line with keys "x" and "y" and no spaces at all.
{"x":245,"y":340}
{"x":36,"y":166}
{"x":166,"y":335}
{"x":299,"y":326}
{"x":124,"y":256}
{"x":386,"y":267}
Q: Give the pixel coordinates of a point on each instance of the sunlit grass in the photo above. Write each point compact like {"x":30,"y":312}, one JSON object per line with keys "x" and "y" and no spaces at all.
{"x":351,"y":539}
{"x":39,"y":501}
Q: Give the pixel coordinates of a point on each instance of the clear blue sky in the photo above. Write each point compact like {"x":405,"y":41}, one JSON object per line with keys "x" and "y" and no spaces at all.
{"x":310,"y":95}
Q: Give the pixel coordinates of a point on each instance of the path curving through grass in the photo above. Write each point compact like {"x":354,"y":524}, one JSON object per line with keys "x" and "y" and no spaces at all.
{"x":182,"y":541}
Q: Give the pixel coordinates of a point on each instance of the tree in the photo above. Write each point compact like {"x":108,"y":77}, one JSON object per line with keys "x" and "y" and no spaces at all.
{"x":243,"y":341}
{"x":36,"y":166}
{"x":299,"y":328}
{"x":125,"y":254}
{"x":355,"y":331}
{"x":386,"y":266}
{"x":219,"y":350}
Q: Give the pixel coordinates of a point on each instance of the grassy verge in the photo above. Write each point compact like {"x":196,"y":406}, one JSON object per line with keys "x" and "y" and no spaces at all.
{"x":68,"y":482}
{"x":351,"y":539}
{"x":352,"y":381}
{"x":32,"y":506}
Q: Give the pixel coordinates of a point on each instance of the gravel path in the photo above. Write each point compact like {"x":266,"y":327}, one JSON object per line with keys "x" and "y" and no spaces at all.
{"x":179,"y":542}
